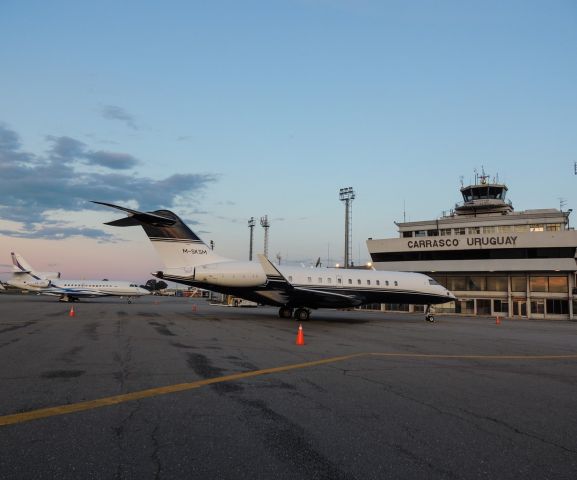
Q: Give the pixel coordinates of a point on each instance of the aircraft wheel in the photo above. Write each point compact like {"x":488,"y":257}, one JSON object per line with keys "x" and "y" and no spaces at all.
{"x":285,"y":312}
{"x":302,"y":314}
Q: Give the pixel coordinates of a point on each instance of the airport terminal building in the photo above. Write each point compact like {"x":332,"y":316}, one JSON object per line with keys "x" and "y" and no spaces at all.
{"x":495,"y":260}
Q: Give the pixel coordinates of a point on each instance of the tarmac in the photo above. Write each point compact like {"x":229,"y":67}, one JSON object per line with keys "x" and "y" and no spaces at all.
{"x":173,"y":388}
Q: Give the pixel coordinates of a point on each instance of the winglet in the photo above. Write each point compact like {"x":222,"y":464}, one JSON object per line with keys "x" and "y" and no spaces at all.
{"x":271,"y":272}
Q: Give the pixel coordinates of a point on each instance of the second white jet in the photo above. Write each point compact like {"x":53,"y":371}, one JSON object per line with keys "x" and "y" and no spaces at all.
{"x":50,"y":283}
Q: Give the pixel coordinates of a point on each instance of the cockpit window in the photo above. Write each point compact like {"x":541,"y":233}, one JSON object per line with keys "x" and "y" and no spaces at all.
{"x":433,"y":282}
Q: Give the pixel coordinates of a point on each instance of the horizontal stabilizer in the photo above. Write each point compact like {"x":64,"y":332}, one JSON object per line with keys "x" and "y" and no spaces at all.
{"x":137,"y":218}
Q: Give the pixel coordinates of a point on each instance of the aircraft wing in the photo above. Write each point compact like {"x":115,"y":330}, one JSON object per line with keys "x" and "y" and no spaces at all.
{"x":282,"y":292}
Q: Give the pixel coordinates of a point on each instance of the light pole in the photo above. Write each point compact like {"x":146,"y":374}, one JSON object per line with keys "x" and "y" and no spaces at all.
{"x":251,"y":224}
{"x":347,"y":195}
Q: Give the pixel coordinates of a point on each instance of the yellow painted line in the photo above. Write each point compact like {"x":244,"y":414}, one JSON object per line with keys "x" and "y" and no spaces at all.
{"x":153,"y":392}
{"x":181,"y":387}
{"x":475,"y":357}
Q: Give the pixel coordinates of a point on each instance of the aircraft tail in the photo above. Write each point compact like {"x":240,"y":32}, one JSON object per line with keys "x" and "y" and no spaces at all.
{"x":178,"y":246}
{"x":21,"y":266}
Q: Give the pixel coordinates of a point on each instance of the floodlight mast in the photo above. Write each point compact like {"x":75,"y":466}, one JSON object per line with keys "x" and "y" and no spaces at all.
{"x":264,"y":223}
{"x":251,"y":224}
{"x":347,"y":195}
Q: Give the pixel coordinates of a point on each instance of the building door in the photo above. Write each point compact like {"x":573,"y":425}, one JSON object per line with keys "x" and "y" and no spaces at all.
{"x":483,"y":306}
{"x":519,"y":308}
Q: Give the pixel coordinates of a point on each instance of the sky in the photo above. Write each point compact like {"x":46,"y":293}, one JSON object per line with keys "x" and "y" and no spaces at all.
{"x":226,"y":110}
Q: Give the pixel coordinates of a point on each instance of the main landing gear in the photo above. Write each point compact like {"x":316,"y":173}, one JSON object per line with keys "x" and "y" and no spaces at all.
{"x":300,"y":314}
{"x":429,"y":315}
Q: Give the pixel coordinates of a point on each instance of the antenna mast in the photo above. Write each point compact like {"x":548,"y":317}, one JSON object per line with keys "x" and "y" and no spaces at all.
{"x":264,"y":223}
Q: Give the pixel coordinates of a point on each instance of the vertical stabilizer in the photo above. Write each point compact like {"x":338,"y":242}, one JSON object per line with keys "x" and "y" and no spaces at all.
{"x":19,"y":265}
{"x":178,"y":246}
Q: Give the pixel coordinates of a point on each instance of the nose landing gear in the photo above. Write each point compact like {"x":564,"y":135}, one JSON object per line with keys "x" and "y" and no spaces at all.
{"x":429,"y":314}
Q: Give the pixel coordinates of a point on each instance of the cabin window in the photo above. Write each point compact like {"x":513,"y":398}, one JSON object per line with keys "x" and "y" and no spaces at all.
{"x":536,"y":228}
{"x":350,"y":281}
{"x":378,"y":282}
{"x":489,"y":229}
{"x":368,"y":282}
{"x":505,"y":228}
{"x":459,"y":231}
{"x":339,"y":281}
{"x":359,"y":281}
{"x":553,"y":227}
{"x":329,"y":280}
{"x":309,"y":279}
{"x":396,"y":283}
{"x":320,"y":280}
{"x":445,"y":232}
{"x":290,"y":278}
{"x":387,"y":283}
{"x":474,"y":230}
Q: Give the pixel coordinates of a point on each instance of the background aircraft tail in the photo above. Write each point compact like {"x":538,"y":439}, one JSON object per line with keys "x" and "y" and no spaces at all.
{"x":178,"y":246}
{"x":21,"y":266}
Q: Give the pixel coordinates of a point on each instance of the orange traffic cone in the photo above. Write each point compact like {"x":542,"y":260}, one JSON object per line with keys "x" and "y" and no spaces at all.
{"x":498,"y":320}
{"x":71,"y":314}
{"x":300,"y":336}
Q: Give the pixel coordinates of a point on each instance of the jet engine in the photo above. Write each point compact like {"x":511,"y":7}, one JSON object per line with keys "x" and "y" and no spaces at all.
{"x":48,"y":275}
{"x":230,"y":274}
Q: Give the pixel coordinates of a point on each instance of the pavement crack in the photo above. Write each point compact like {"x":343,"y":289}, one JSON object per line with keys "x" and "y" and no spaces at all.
{"x":518,"y":431}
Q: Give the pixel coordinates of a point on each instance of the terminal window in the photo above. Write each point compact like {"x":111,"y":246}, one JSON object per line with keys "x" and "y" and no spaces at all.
{"x":555,"y":306}
{"x":497,"y":284}
{"x":558,"y":285}
{"x":519,"y":284}
{"x":538,"y":284}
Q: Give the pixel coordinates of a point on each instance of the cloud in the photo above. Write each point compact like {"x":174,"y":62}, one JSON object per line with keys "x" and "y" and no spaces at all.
{"x":116,"y":161}
{"x":66,"y":150}
{"x":57,"y":233}
{"x":113,"y":112}
{"x":33,"y":185}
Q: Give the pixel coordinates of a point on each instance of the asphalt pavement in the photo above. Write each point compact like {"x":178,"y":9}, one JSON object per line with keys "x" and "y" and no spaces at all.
{"x":173,"y":388}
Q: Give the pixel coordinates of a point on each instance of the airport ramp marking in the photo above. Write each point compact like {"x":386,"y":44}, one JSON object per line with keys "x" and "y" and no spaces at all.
{"x":22,"y":417}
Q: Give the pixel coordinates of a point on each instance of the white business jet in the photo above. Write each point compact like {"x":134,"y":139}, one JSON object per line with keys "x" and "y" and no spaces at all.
{"x":50,"y":283}
{"x":295,"y":290}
